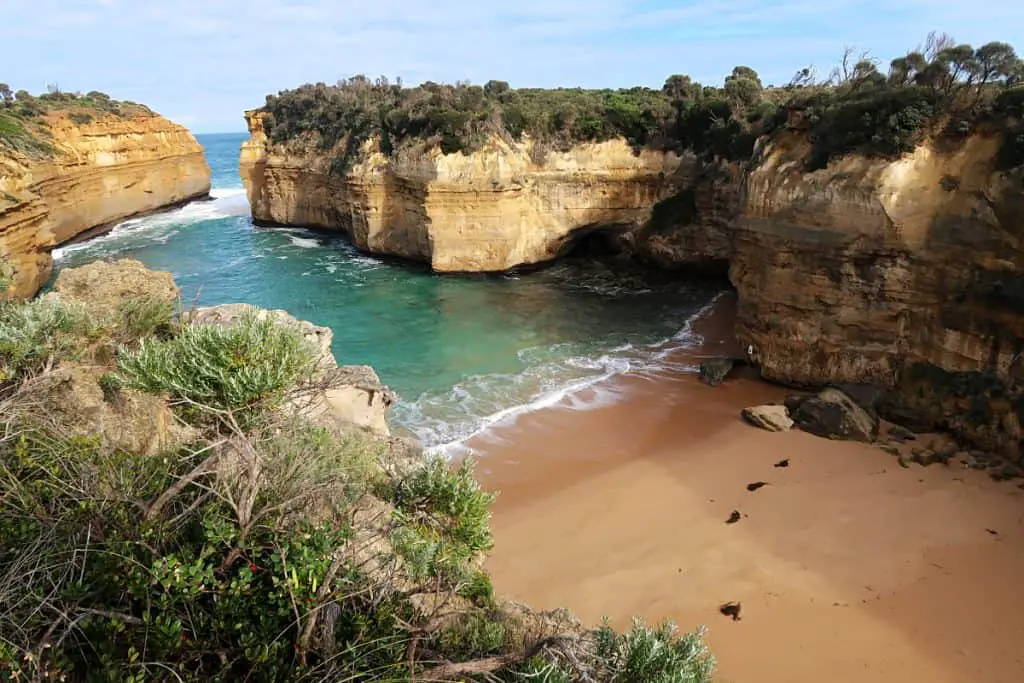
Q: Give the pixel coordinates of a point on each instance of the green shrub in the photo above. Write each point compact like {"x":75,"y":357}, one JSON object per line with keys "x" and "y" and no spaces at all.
{"x":247,"y":367}
{"x":442,"y":521}
{"x":887,"y":123}
{"x":35,"y":333}
{"x":81,"y":118}
{"x":133,"y":566}
{"x":472,"y":636}
{"x":653,"y":655}
{"x":145,"y":317}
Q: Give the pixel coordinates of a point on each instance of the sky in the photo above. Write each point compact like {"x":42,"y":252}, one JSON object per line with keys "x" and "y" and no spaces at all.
{"x":203,"y":62}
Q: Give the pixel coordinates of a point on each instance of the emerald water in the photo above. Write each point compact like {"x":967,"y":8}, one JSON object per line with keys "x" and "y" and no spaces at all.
{"x":463,"y":353}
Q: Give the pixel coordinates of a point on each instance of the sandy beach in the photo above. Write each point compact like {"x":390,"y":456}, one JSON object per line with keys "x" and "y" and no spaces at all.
{"x":848,"y":567}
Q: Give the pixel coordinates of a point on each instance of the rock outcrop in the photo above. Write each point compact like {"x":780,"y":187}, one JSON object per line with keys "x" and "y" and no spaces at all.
{"x":492,"y":210}
{"x":906,"y":275}
{"x":98,"y":173}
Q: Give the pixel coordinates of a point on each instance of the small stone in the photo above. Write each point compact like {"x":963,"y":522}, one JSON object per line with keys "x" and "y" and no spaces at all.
{"x":713,"y":371}
{"x":770,"y":418}
{"x":890,"y":449}
{"x":925,"y":457}
{"x":1007,"y":473}
{"x":901,"y":434}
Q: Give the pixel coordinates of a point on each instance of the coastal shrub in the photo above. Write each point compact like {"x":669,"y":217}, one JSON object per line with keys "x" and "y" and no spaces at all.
{"x":36,"y":334}
{"x":653,"y":655}
{"x":247,"y":366}
{"x":471,"y":636}
{"x":116,"y":566}
{"x":442,"y":521}
{"x":881,"y":123}
{"x":145,"y":317}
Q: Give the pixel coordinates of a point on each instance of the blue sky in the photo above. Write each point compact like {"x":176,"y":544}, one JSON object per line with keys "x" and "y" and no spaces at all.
{"x":202,"y":62}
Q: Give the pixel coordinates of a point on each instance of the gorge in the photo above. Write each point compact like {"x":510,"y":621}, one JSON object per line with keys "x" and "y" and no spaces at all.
{"x":894,"y":274}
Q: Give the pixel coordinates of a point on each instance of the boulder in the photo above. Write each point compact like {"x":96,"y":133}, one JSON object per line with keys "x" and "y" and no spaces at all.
{"x":103,"y":286}
{"x":833,"y":415}
{"x":123,"y":419}
{"x":770,"y":418}
{"x":713,"y":371}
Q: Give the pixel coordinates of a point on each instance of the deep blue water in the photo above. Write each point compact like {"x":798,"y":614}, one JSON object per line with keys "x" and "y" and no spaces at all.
{"x":462,"y":352}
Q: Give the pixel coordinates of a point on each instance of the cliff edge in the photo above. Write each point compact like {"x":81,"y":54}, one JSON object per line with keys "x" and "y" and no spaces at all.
{"x":68,"y":171}
{"x":504,"y":205}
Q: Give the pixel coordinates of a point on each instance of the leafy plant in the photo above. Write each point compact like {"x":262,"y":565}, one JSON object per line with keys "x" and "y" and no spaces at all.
{"x":653,"y":655}
{"x":442,"y":521}
{"x":36,"y":333}
{"x":247,"y":366}
{"x":145,"y":317}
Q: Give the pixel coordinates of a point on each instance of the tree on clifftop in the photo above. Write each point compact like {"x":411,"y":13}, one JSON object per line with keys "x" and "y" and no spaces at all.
{"x":6,"y":96}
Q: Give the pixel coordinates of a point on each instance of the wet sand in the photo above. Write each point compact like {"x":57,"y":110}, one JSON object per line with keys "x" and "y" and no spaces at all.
{"x":848,"y":566}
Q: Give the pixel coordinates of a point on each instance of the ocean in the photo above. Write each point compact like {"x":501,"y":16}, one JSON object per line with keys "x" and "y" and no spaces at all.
{"x":462,"y":352}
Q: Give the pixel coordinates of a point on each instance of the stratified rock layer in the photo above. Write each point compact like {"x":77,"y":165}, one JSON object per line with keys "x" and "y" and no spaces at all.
{"x":492,"y":210}
{"x":904,"y":274}
{"x":100,"y":172}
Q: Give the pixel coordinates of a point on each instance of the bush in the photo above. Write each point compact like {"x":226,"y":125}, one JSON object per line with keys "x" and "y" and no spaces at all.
{"x":38,"y":333}
{"x":441,"y":523}
{"x":110,"y":569}
{"x":654,"y":655}
{"x":246,"y":367}
{"x":81,"y":118}
{"x":145,"y":317}
{"x":886,"y":123}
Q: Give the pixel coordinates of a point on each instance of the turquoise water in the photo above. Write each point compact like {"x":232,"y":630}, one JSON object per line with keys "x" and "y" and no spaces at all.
{"x":461,"y":352}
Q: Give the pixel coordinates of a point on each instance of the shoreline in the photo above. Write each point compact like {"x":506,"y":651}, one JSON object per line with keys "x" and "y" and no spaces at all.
{"x":848,"y":566}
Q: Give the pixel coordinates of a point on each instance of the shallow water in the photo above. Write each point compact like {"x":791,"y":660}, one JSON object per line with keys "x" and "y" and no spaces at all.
{"x":462,"y":352}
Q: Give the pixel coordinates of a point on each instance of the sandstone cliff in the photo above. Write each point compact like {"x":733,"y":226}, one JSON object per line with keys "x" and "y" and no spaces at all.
{"x":492,"y":210}
{"x":99,"y":173}
{"x":906,"y":275}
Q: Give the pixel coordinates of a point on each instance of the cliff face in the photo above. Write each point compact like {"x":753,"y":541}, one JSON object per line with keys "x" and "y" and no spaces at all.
{"x":100,"y":172}
{"x":904,"y":275}
{"x":907,"y":275}
{"x":489,"y":211}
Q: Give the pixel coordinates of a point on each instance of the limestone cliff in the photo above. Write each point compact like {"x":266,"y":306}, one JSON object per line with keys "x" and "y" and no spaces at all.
{"x":907,"y":275}
{"x":492,"y":210}
{"x":98,"y":173}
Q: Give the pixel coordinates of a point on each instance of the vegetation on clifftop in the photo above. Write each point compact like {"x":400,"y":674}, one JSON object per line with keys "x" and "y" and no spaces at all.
{"x":942,"y":88}
{"x":261,"y":541}
{"x":22,"y":115}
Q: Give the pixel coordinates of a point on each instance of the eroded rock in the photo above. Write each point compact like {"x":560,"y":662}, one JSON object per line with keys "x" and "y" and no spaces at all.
{"x":103,"y":286}
{"x":772,"y":418}
{"x":713,"y":371}
{"x":833,"y":415}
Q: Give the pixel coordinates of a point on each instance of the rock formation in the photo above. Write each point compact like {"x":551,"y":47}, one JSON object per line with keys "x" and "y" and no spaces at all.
{"x":492,"y":210}
{"x":905,"y":275}
{"x":99,"y":172}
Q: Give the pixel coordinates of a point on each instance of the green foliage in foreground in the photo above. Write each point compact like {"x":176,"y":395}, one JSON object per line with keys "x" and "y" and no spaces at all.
{"x":244,"y":367}
{"x":442,"y":521}
{"x":654,"y":655}
{"x":268,"y":549}
{"x":38,"y":333}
